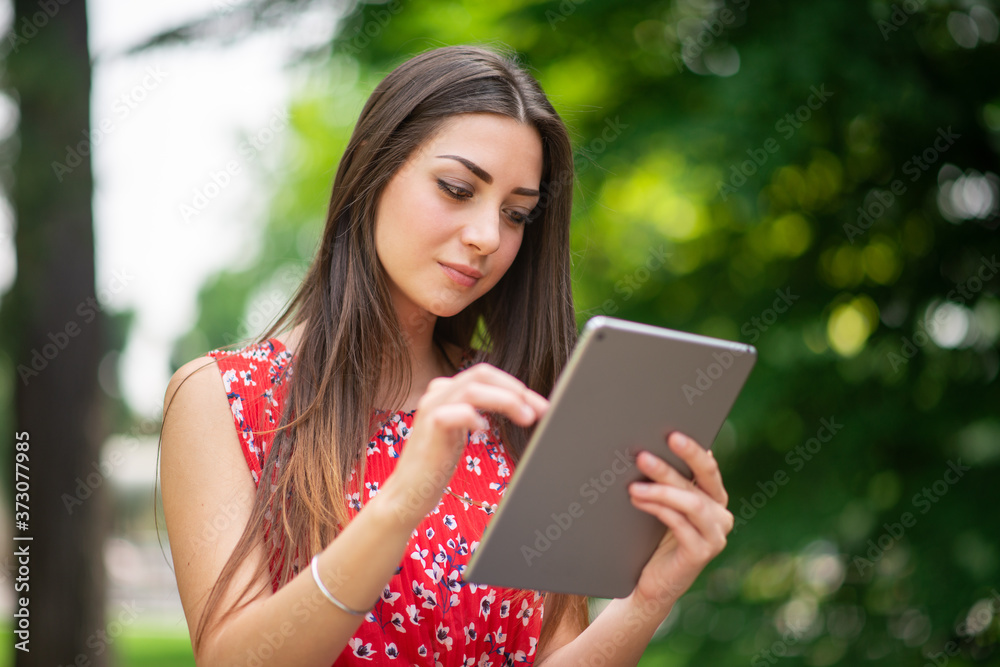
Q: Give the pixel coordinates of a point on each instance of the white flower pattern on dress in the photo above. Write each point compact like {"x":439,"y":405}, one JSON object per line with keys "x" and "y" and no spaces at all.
{"x":472,"y":463}
{"x":363,"y":651}
{"x":427,"y":594}
{"x":525,"y":612}
{"x":442,"y":634}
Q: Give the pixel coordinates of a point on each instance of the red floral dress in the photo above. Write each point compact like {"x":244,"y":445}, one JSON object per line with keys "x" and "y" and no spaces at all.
{"x":427,"y":614}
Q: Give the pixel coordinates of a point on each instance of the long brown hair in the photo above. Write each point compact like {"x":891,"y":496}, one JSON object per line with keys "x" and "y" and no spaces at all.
{"x":525,"y":325}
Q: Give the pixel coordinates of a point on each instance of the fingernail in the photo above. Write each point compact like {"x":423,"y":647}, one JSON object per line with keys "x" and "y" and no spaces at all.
{"x":641,"y":488}
{"x":680,"y":442}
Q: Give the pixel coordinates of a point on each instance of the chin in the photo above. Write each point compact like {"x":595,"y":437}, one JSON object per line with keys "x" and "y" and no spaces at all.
{"x":452,"y":303}
{"x":450,"y":311}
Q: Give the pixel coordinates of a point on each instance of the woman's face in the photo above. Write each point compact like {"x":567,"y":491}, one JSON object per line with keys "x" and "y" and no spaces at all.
{"x":461,"y":199}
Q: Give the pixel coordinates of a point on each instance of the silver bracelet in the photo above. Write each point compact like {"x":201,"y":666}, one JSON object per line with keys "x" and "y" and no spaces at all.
{"x":329,"y":595}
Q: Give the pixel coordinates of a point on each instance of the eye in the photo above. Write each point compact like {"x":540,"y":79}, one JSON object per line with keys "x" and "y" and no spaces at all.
{"x":454,"y":191}
{"x":519,"y":217}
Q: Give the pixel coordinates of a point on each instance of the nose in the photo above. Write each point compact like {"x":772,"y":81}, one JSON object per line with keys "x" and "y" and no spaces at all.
{"x":482,"y":230}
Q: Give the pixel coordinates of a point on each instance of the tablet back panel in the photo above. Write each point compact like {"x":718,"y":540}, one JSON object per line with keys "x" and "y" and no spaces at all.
{"x":566,"y":523}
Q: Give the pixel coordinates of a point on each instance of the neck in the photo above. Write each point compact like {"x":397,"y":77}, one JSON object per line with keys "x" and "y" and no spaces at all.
{"x":418,"y":331}
{"x":427,"y":360}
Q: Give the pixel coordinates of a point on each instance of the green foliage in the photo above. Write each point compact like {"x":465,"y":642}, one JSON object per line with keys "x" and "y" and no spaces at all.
{"x":729,"y":204}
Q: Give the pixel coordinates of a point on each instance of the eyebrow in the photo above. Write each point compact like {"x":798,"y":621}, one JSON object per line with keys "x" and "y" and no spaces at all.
{"x":484,"y":176}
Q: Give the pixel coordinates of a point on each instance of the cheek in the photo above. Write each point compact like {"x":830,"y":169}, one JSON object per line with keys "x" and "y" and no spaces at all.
{"x":429,"y":213}
{"x":410,"y":211}
{"x":511,"y":246}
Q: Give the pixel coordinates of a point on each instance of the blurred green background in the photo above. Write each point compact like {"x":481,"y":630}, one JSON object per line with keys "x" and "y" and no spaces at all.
{"x":817,"y":179}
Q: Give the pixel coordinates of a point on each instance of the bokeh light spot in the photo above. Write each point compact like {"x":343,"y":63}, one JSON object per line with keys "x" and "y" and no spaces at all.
{"x":850,"y":324}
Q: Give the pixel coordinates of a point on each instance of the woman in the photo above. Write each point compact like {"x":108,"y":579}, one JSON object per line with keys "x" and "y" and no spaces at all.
{"x":448,"y":225}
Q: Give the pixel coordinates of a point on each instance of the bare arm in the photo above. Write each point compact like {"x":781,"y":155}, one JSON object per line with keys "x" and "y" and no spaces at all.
{"x":207,"y":496}
{"x":204,"y":477}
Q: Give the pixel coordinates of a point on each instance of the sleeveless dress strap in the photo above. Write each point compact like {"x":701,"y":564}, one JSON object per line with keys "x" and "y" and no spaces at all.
{"x":254,"y":378}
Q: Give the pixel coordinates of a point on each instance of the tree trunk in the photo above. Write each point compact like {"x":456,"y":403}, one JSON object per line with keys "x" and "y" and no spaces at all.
{"x":54,"y":327}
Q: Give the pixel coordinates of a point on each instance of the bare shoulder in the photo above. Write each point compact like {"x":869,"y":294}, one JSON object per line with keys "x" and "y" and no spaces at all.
{"x":198,"y":421}
{"x":198,"y":376}
{"x":196,"y":412}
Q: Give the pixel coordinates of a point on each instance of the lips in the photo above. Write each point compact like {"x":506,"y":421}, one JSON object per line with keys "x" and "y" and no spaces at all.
{"x":462,"y":268}
{"x":457,"y":272}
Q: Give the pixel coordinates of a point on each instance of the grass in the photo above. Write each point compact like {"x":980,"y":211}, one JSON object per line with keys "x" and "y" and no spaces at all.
{"x":137,"y":646}
{"x":156,"y":650}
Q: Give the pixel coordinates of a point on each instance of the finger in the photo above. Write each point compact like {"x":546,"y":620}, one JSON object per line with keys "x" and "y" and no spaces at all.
{"x":457,"y":418}
{"x":702,"y":464}
{"x":481,"y":396}
{"x":683,"y":530}
{"x":496,"y":399}
{"x":658,"y":470}
{"x":695,"y":506}
{"x":662,"y":472}
{"x":487,"y":374}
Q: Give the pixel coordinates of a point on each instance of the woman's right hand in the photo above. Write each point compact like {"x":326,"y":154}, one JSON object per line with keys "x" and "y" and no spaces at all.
{"x":446,"y":414}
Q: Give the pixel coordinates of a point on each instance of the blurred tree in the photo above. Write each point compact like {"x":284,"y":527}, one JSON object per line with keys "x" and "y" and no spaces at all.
{"x":53,"y":330}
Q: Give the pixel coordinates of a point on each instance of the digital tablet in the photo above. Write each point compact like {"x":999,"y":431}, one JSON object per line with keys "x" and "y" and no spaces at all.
{"x":565,"y":523}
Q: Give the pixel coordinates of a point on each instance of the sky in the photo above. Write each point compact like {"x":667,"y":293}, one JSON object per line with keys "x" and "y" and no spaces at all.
{"x":180,"y":137}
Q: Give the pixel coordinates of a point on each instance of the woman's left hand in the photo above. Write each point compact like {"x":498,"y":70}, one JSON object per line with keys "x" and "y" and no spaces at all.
{"x":694,"y":512}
